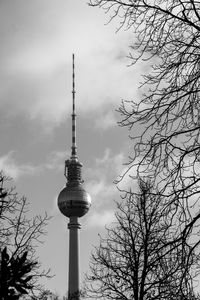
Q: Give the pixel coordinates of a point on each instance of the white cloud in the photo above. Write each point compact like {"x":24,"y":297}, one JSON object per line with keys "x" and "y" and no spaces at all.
{"x":101,"y":192}
{"x":11,"y":168}
{"x":37,"y":76}
{"x":95,"y":187}
{"x":110,"y":163}
{"x":46,"y":96}
{"x":100,"y":182}
{"x":101,"y":219}
{"x":103,"y":160}
{"x":108,"y":169}
{"x":106,"y":121}
{"x":56,"y":159}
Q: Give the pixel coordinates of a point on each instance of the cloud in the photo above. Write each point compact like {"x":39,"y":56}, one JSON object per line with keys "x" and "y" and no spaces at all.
{"x":55,"y":160}
{"x":110,"y":163}
{"x":36,"y":77}
{"x":104,"y":171}
{"x":46,"y":96}
{"x":10,"y":167}
{"x":108,"y":170}
{"x":106,"y":121}
{"x":101,"y":219}
{"x":100,"y":179}
{"x":102,"y":193}
{"x":105,"y":159}
{"x":102,"y":189}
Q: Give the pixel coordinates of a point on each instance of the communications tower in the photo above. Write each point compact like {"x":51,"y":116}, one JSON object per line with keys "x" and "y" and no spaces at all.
{"x":73,"y":202}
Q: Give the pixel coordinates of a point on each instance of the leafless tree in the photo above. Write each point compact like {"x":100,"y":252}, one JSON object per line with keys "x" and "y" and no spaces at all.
{"x":138,"y":258}
{"x":20,"y":232}
{"x":165,"y":121}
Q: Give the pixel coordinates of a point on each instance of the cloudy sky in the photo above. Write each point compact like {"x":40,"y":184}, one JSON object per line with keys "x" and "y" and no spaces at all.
{"x":37,"y":39}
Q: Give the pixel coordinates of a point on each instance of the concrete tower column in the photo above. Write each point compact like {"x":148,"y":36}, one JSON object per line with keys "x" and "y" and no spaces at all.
{"x":73,"y":283}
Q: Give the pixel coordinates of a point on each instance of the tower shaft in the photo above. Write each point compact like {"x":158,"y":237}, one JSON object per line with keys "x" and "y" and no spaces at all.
{"x":73,"y":283}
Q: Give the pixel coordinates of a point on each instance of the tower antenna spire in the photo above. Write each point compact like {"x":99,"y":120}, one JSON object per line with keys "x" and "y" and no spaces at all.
{"x":74,"y":147}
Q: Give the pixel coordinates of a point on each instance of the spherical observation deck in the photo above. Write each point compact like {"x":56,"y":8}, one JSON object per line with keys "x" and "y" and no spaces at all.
{"x":74,"y":201}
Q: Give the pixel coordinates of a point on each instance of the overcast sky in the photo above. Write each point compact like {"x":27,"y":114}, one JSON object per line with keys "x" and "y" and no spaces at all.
{"x":37,"y":39}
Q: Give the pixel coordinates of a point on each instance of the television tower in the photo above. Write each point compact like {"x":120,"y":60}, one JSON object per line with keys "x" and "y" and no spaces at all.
{"x":73,"y":202}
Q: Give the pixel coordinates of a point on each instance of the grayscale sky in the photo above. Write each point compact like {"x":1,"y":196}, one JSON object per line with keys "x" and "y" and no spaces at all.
{"x":37,"y":39}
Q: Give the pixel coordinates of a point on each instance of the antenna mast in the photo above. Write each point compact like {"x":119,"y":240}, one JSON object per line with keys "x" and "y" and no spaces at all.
{"x":72,"y":165}
{"x":74,"y":148}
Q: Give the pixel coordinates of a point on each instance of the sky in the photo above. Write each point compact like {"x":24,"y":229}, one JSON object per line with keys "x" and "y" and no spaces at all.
{"x":37,"y":39}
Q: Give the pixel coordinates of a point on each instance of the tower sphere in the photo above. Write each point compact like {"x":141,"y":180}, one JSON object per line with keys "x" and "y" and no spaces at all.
{"x":74,"y":201}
